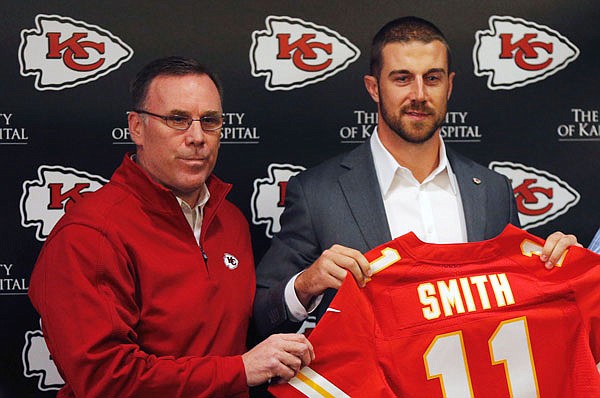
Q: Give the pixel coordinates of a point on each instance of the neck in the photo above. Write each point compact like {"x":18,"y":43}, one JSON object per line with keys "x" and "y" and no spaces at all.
{"x":421,"y":159}
{"x":190,"y":199}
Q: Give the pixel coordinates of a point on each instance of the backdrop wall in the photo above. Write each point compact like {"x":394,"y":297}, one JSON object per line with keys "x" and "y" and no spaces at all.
{"x":525,"y":103}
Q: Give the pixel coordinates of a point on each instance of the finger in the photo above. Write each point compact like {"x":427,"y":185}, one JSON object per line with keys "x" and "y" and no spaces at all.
{"x":358,"y":257}
{"x":299,"y":349}
{"x":311,"y":350}
{"x":549,"y":245}
{"x":364,"y":265}
{"x":296,"y":337}
{"x":304,"y":353}
{"x":354,"y":268}
{"x":283,"y":374}
{"x":300,"y":346}
{"x":335,"y":266}
{"x":308,"y":354}
{"x":317,"y":278}
{"x":555,"y":247}
{"x":342,"y":261}
{"x":289,"y":361}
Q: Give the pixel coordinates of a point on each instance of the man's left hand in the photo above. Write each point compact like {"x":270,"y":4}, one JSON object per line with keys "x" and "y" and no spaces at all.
{"x":556,"y":244}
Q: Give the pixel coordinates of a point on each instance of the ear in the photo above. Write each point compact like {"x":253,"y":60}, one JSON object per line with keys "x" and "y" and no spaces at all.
{"x":136,"y":128}
{"x":372,"y":87}
{"x":450,"y":84}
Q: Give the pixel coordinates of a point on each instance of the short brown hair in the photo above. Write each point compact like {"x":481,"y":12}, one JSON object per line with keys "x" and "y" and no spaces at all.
{"x":404,"y":30}
{"x":169,"y":66}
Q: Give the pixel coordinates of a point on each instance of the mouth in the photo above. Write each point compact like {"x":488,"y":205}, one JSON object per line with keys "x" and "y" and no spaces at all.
{"x":419,"y":115}
{"x":194,"y":160}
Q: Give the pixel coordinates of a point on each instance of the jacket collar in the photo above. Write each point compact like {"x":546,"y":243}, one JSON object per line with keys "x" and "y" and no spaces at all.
{"x":363,"y":196}
{"x":155,"y":197}
{"x":473,"y":194}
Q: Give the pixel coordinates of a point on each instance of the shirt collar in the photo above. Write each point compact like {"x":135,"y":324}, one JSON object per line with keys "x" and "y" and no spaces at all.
{"x":386,"y":167}
{"x":202,"y":199}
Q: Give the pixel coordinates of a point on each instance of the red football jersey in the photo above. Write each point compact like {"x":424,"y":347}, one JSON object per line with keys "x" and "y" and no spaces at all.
{"x":482,"y":319}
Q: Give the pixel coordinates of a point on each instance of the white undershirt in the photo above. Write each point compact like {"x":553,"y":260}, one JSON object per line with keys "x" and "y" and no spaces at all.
{"x":194,"y":215}
{"x":431,"y":209}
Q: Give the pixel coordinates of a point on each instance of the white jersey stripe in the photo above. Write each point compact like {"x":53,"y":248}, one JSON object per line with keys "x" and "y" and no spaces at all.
{"x":313,"y":385}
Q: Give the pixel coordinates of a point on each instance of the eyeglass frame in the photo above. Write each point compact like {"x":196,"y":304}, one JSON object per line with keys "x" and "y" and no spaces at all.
{"x":190,"y":119}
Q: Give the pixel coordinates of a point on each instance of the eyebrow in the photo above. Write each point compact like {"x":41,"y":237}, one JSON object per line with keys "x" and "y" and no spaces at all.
{"x":180,"y":112}
{"x":406,"y":71}
{"x":436,"y":70}
{"x":212,"y":112}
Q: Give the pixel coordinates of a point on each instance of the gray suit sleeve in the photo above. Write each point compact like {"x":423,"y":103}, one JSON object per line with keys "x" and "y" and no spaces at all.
{"x":292,"y":250}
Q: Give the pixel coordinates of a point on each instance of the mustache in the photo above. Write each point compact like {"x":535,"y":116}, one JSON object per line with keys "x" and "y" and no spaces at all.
{"x":417,"y":107}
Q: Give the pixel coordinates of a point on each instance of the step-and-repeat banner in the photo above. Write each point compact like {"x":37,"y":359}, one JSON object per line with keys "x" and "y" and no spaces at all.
{"x":525,"y":103}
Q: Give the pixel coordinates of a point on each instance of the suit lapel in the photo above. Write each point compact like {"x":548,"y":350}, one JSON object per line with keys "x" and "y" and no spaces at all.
{"x":360,"y":187}
{"x":473,"y":196}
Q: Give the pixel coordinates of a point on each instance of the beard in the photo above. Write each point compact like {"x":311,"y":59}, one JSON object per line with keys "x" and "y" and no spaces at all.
{"x":413,"y":132}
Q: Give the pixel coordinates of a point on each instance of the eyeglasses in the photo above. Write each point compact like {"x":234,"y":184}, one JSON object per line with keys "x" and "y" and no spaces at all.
{"x":210,"y":123}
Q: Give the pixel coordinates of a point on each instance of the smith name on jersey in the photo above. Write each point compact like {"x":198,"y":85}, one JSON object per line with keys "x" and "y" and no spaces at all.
{"x":482,"y":319}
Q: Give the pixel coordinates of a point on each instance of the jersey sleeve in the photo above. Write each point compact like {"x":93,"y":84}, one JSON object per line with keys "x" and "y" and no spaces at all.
{"x":345,"y":362}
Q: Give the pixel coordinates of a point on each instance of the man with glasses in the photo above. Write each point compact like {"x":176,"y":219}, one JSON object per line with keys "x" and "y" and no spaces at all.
{"x":145,"y":287}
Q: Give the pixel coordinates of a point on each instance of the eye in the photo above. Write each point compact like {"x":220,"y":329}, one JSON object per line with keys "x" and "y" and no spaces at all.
{"x":177,"y":120}
{"x":211,"y":122}
{"x":434,"y":78}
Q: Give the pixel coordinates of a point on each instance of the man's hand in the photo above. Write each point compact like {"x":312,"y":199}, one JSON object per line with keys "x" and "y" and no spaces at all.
{"x":280,"y":355}
{"x":329,"y":271}
{"x":556,"y":244}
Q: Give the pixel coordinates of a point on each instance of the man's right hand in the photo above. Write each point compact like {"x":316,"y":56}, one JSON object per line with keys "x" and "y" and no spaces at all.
{"x":329,"y":271}
{"x":279,"y":356}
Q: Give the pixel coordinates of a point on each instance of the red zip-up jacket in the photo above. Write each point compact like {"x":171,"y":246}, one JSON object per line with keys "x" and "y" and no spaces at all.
{"x":130,"y":307}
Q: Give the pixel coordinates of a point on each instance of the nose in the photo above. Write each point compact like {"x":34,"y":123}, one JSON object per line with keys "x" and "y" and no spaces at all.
{"x":418,"y":90}
{"x":195,"y":135}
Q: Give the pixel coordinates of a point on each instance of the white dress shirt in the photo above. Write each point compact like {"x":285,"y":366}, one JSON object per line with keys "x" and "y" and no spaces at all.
{"x":194,"y":215}
{"x":431,"y":209}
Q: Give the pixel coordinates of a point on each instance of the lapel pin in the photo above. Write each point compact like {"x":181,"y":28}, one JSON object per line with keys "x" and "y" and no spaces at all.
{"x":476,"y":180}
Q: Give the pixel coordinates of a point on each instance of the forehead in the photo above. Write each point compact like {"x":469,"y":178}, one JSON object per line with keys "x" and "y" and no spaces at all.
{"x":190,"y":93}
{"x":414,"y":56}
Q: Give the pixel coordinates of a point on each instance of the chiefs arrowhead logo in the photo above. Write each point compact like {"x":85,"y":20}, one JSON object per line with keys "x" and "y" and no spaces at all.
{"x":62,"y":52}
{"x":268,"y":197}
{"x":45,"y":200}
{"x":515,"y":53}
{"x":294,"y":53}
{"x":541,"y":196}
{"x":37,"y":362}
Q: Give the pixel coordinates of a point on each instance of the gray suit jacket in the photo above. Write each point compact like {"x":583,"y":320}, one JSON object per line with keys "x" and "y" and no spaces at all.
{"x":340,"y":202}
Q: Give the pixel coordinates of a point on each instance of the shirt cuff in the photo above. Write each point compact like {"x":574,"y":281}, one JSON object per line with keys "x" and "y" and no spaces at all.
{"x":296,"y":310}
